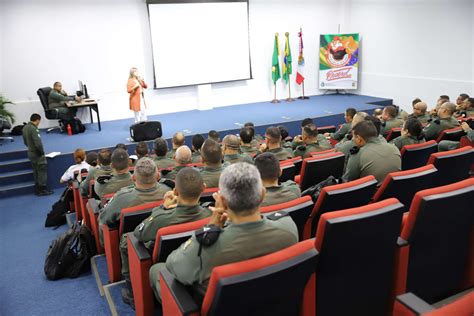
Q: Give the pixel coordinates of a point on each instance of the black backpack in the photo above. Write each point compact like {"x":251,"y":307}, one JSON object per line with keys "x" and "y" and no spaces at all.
{"x":17,"y":130}
{"x":57,"y":216}
{"x":69,"y":255}
{"x":76,"y":126}
{"x":315,"y":190}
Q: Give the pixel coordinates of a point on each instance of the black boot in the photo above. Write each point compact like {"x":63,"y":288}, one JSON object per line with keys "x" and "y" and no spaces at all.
{"x":43,"y":190}
{"x":37,"y":190}
{"x":127,"y":294}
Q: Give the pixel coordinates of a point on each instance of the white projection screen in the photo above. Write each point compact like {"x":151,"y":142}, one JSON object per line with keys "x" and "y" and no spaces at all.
{"x":199,"y":42}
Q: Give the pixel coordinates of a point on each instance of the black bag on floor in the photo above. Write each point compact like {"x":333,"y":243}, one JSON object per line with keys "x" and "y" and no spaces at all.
{"x":315,"y":190}
{"x":148,"y":130}
{"x":76,"y":126}
{"x":17,"y":130}
{"x":57,"y":216}
{"x":69,"y":255}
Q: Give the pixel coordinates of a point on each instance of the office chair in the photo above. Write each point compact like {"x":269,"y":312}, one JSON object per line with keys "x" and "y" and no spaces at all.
{"x":51,"y":114}
{"x":4,"y":124}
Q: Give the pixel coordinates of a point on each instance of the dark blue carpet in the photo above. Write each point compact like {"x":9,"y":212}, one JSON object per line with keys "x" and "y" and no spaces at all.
{"x":24,"y":289}
{"x":195,"y":121}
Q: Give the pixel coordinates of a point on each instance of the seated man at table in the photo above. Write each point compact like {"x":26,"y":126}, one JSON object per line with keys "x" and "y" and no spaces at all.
{"x":57,"y":100}
{"x":244,"y":233}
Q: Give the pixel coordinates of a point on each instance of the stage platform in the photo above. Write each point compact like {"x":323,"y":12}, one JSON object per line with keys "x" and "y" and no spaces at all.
{"x":324,"y":109}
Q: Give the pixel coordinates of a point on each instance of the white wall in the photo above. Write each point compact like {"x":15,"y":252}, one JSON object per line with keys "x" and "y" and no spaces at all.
{"x":418,"y":48}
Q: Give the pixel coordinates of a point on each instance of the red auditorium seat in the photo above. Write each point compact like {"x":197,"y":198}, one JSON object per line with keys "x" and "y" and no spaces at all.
{"x":326,"y":129}
{"x":464,"y":141}
{"x":130,"y":218}
{"x":338,"y":197}
{"x":404,"y":184}
{"x":354,"y":274}
{"x":297,"y":161}
{"x":411,"y":305}
{"x":140,"y":260}
{"x":298,"y":209}
{"x":324,"y":152}
{"x":417,"y":155}
{"x":93,"y":209}
{"x":288,"y":171}
{"x":206,"y":195}
{"x":451,"y":134}
{"x":434,"y":257}
{"x":453,"y":165}
{"x":393,"y":133}
{"x":319,"y":168}
{"x":281,"y":283}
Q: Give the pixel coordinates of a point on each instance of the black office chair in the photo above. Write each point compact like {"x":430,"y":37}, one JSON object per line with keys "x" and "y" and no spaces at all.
{"x":51,"y":114}
{"x":4,"y":124}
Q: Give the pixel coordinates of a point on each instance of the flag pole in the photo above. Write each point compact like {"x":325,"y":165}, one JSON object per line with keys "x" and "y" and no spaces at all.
{"x":275,"y":100}
{"x":289,"y":99}
{"x":303,"y":97}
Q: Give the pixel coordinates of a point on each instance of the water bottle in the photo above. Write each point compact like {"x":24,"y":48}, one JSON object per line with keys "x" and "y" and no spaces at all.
{"x":69,"y":130}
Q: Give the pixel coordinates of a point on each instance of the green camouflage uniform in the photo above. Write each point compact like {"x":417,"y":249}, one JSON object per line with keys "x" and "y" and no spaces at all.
{"x":159,"y":218}
{"x":32,"y":140}
{"x":197,"y":156}
{"x":389,"y":124}
{"x":93,"y":174}
{"x":435,"y":127}
{"x":401,"y":141}
{"x":423,"y":118}
{"x":305,"y":149}
{"x":172,"y":174}
{"x":234,"y":158}
{"x":445,"y":145}
{"x":236,"y":242}
{"x":163,"y":162}
{"x":280,"y":153}
{"x":112,"y":185}
{"x":58,"y":101}
{"x":248,"y":150}
{"x":211,"y":176}
{"x":170,"y":154}
{"x":285,"y":192}
{"x":345,"y":128}
{"x":374,"y":158}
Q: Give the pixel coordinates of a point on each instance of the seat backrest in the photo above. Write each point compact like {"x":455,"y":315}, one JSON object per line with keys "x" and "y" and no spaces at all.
{"x":206,"y":195}
{"x":298,"y":209}
{"x":465,"y":141}
{"x":317,"y":169}
{"x":451,"y":134}
{"x":357,"y":246}
{"x":339,"y":197}
{"x":326,"y":129}
{"x":131,"y":217}
{"x":393,"y":133}
{"x":417,"y":155}
{"x":171,"y":237}
{"x":281,"y":283}
{"x":453,"y":165}
{"x":324,"y":152}
{"x":297,"y":161}
{"x":404,"y":184}
{"x":438,"y":231}
{"x":288,"y":172}
{"x":43,"y":94}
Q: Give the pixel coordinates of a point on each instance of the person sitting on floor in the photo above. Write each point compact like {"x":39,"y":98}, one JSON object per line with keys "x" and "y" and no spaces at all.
{"x":211,"y":156}
{"x":197,"y":142}
{"x":310,"y":142}
{"x":160,"y":148}
{"x":176,"y":142}
{"x":411,"y":133}
{"x":231,"y":150}
{"x":146,"y":189}
{"x":370,"y":156}
{"x":182,"y":158}
{"x":180,"y":206}
{"x":269,"y":168}
{"x":273,"y":144}
{"x":79,"y":166}
{"x":120,"y":177}
{"x":247,"y":234}
{"x":103,"y":169}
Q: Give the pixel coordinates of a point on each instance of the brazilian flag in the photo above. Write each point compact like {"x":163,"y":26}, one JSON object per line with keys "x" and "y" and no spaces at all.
{"x":275,"y":60}
{"x":287,"y":69}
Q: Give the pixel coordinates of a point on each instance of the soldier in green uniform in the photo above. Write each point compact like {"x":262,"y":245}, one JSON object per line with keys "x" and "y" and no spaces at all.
{"x":103,"y":169}
{"x":230,"y":149}
{"x":247,"y":235}
{"x":346,"y":143}
{"x":246,"y":146}
{"x":460,"y":100}
{"x":32,"y":140}
{"x":346,"y":127}
{"x":285,"y":139}
{"x":269,"y":168}
{"x":390,"y":120}
{"x":57,"y":100}
{"x":466,"y":108}
{"x":211,"y":153}
{"x":180,"y":206}
{"x":257,"y":138}
{"x":182,"y":158}
{"x":371,"y":156}
{"x":310,"y":142}
{"x":197,"y":142}
{"x":451,"y":145}
{"x":273,"y":144}
{"x":141,"y":150}
{"x":411,"y":133}
{"x":120,"y":177}
{"x":160,"y":148}
{"x":444,"y":121}
{"x":177,"y":141}
{"x":420,"y":113}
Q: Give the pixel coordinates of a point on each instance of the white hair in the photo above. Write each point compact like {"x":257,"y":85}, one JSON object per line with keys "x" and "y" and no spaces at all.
{"x":183,"y":155}
{"x":145,"y":171}
{"x":241,"y":186}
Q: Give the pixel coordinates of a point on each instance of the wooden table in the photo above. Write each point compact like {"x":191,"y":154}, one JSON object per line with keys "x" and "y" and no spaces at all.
{"x":91,"y":104}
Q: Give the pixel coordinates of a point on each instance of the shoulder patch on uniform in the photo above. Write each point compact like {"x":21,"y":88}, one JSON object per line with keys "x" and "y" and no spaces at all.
{"x":208,"y":235}
{"x":187,"y":243}
{"x":140,"y":227}
{"x":103,"y":179}
{"x":277,"y":215}
{"x":301,"y":147}
{"x":354,"y":150}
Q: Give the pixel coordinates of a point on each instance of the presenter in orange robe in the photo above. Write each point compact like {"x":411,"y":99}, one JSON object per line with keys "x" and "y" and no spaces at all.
{"x":135,"y":87}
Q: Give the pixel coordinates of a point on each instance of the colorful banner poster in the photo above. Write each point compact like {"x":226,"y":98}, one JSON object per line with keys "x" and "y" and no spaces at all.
{"x":338,"y":61}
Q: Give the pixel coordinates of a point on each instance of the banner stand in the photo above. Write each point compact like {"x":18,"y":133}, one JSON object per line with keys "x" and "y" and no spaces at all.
{"x":303,"y":97}
{"x":289,"y":99}
{"x":338,"y":91}
{"x":275,"y":100}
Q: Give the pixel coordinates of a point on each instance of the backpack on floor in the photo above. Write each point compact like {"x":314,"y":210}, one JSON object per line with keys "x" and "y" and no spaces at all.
{"x":57,"y":216}
{"x":69,"y":255}
{"x":76,"y":126}
{"x":17,"y":130}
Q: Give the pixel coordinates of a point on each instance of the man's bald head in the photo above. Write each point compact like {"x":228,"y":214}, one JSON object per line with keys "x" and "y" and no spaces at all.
{"x":178,"y":139}
{"x":421,"y":106}
{"x":449,"y":108}
{"x":358,"y":117}
{"x":183,"y":155}
{"x":231,"y":142}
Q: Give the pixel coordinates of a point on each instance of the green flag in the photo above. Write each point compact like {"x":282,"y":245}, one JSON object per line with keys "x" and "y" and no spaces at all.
{"x":275,"y":60}
{"x":287,"y":69}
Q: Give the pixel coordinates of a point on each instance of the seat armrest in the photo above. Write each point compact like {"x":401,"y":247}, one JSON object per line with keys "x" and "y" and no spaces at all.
{"x":140,"y":249}
{"x":401,"y":242}
{"x":181,"y":300}
{"x":94,"y":205}
{"x":413,"y":304}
